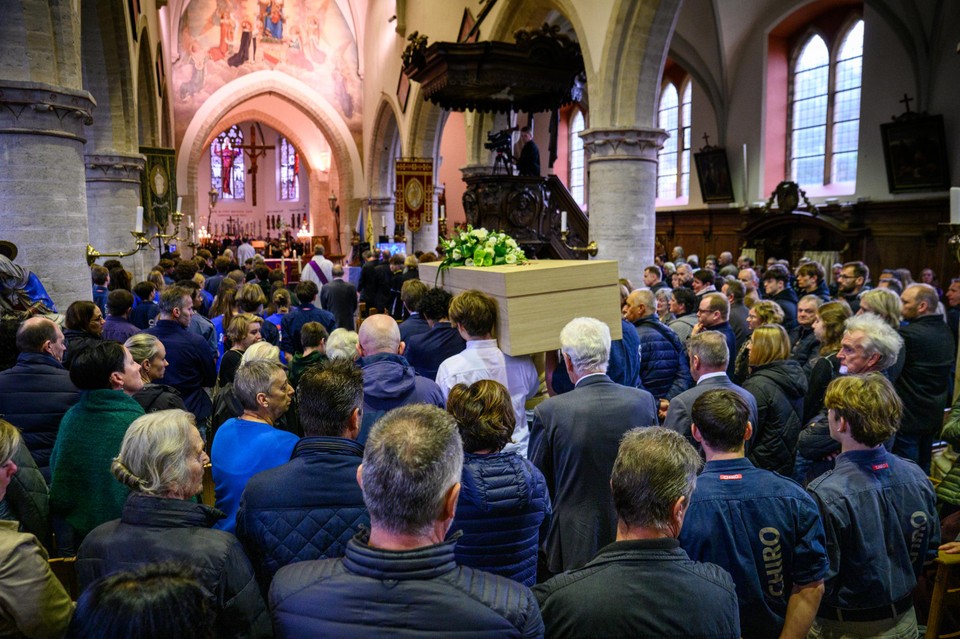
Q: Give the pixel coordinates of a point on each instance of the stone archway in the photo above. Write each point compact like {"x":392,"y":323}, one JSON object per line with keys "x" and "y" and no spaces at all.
{"x":310,"y":103}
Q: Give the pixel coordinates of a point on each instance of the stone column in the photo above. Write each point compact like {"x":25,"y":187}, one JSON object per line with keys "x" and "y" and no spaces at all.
{"x":113,"y":194}
{"x":43,"y":112}
{"x":43,"y":201}
{"x":623,"y":187}
{"x":380,"y":208}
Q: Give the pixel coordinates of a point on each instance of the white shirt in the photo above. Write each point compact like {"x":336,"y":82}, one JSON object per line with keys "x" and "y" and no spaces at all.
{"x":307,"y":274}
{"x":482,"y":359}
{"x":245,"y":252}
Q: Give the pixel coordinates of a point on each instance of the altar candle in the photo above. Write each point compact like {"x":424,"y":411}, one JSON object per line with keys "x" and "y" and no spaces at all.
{"x":139,"y":226}
{"x":383,"y":221}
{"x":179,"y":202}
{"x":955,"y":205}
{"x":563,"y":221}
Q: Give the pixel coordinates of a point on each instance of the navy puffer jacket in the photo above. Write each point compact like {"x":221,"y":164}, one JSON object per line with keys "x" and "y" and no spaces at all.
{"x":664,"y":367}
{"x":504,"y":512}
{"x":34,"y":396}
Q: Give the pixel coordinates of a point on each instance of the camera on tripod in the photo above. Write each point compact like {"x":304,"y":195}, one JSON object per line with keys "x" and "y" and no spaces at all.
{"x":499,"y":141}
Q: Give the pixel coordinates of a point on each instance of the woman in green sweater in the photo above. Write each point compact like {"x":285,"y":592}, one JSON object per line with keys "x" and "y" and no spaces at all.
{"x":83,"y":492}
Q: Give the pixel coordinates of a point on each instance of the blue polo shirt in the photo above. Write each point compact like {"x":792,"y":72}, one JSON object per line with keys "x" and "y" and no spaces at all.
{"x":764,"y":530}
{"x":882,"y":525}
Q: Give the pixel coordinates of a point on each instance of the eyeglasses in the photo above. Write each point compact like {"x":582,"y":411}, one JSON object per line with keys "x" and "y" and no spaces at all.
{"x":704,"y":310}
{"x":846,"y":277}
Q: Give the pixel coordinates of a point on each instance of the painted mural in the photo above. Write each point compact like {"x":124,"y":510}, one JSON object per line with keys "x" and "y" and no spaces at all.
{"x":221,"y":40}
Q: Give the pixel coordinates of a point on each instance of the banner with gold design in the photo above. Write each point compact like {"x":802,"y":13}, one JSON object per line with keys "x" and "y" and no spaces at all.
{"x":158,"y":190}
{"x":414,"y":193}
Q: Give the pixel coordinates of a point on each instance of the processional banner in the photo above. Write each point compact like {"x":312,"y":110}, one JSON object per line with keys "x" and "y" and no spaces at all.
{"x":158,"y":191}
{"x":414,"y":179}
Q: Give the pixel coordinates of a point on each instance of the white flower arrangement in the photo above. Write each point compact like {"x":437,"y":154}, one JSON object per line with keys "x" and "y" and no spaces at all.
{"x":480,"y":247}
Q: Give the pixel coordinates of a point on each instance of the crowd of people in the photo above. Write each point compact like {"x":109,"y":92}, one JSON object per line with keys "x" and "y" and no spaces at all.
{"x":751,"y":458}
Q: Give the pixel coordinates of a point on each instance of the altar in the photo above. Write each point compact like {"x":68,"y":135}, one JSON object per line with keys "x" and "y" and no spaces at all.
{"x":537,"y":299}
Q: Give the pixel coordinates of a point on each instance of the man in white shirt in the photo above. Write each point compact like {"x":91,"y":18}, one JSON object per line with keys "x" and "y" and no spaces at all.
{"x":318,"y":270}
{"x":475,"y":315}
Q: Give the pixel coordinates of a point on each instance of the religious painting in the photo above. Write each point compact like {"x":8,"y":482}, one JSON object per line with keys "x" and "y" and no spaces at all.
{"x":311,"y":40}
{"x":414,"y":179}
{"x":158,"y":191}
{"x":467,"y":23}
{"x":915,"y":152}
{"x":713,"y":173}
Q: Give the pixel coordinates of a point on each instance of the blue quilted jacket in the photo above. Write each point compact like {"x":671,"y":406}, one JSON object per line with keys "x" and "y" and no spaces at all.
{"x":308,"y":508}
{"x":664,"y":368}
{"x":504,"y":512}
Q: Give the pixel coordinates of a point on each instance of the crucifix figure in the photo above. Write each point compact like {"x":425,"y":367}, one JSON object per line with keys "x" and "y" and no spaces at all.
{"x":232,"y":225}
{"x":906,"y":101}
{"x":254,"y":151}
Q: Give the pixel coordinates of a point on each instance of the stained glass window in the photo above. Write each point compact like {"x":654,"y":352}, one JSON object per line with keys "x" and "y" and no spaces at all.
{"x":226,"y":164}
{"x":577,"y":189}
{"x":289,"y":171}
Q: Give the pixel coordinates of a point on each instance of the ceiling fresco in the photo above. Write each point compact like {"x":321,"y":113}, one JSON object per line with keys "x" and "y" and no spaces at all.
{"x":221,"y":40}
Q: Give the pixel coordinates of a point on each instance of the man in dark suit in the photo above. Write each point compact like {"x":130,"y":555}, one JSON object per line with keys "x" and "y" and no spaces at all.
{"x":340,"y":298}
{"x":709,"y":356}
{"x":574,"y":442}
{"x":528,"y":163}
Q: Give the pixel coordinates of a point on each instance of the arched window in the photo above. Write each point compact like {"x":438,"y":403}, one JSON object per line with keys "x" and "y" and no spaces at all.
{"x":825,"y":109}
{"x":226,"y":164}
{"x":673,"y":168}
{"x":577,"y":181}
{"x":289,"y":171}
{"x":846,"y":106}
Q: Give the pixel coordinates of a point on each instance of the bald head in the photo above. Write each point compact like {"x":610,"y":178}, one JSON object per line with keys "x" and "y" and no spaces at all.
{"x":41,"y":335}
{"x":379,"y":334}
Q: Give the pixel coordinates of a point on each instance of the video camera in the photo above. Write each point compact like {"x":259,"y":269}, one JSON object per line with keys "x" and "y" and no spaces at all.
{"x":499,"y":141}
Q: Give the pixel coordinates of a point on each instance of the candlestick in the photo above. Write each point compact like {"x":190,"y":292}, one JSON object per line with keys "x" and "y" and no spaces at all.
{"x":179,"y":202}
{"x":139,"y":224}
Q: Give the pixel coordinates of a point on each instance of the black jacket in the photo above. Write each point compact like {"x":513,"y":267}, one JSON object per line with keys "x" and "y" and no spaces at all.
{"x":924,"y":385}
{"x":780,"y":388}
{"x":154,"y":397}
{"x":787,"y":300}
{"x":34,"y":395}
{"x":805,"y":346}
{"x":414,"y":593}
{"x":154,"y":529}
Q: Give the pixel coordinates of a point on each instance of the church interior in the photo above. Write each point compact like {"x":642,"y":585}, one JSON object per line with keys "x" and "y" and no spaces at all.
{"x":294,"y":112}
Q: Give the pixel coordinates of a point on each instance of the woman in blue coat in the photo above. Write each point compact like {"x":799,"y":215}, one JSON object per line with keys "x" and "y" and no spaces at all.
{"x":504,"y":508}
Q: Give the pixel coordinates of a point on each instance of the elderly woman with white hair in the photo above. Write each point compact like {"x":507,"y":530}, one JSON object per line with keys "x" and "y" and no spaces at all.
{"x":161,"y":461}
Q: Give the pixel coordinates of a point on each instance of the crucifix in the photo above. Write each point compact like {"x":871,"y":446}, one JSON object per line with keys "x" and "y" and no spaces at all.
{"x":254,"y":151}
{"x":906,"y":101}
{"x":232,"y":225}
{"x":706,"y":139}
